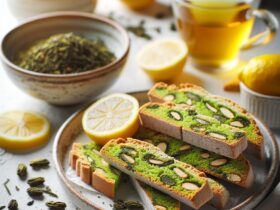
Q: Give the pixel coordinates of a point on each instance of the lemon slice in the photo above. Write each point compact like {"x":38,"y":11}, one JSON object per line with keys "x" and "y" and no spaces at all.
{"x":23,"y":130}
{"x":114,"y":116}
{"x":163,"y":59}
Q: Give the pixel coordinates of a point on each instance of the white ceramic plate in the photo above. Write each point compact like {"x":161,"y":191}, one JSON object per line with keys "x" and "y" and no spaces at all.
{"x":71,"y":131}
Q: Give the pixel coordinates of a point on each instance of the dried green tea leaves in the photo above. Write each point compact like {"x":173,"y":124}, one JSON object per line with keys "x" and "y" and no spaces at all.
{"x":65,"y":54}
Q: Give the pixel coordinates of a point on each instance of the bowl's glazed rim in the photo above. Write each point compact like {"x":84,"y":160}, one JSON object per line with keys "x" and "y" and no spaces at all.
{"x":251,"y":202}
{"x":244,"y":87}
{"x":86,"y":74}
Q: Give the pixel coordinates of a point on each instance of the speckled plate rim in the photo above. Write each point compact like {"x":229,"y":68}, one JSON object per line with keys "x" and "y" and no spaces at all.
{"x":251,"y":202}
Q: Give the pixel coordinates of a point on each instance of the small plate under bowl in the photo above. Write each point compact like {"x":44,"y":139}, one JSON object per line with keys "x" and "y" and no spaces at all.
{"x":265,"y":171}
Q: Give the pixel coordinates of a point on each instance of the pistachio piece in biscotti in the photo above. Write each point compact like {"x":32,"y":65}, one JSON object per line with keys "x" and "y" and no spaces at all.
{"x":190,"y":186}
{"x":175,"y":115}
{"x":163,"y":146}
{"x":211,"y":107}
{"x":167,"y":180}
{"x":233,"y":177}
{"x":127,"y":158}
{"x":205,"y":155}
{"x":180,"y":172}
{"x":193,"y":96}
{"x":219,"y":162}
{"x":169,"y":97}
{"x":217,"y":135}
{"x":227,"y":113}
{"x":220,"y":118}
{"x":150,"y":158}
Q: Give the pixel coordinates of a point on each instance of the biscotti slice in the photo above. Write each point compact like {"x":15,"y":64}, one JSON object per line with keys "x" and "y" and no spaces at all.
{"x":237,"y":171}
{"x":220,"y":194}
{"x":223,"y":109}
{"x":93,"y":169}
{"x":150,"y":165}
{"x":199,"y":130}
{"x":154,"y":199}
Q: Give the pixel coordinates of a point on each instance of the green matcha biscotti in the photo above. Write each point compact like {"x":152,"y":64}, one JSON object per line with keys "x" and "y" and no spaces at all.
{"x":93,"y":169}
{"x":237,"y":171}
{"x":223,"y":109}
{"x":182,"y":122}
{"x":154,"y":199}
{"x":150,"y":165}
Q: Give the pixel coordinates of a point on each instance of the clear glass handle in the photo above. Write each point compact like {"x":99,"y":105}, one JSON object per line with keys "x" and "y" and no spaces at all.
{"x":264,"y":37}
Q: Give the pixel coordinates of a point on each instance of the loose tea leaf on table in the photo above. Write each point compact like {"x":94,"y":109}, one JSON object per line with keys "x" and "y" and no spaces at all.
{"x":65,"y":54}
{"x":22,"y":170}
{"x":36,"y":181}
{"x":39,"y":163}
{"x":56,"y":205}
{"x":13,"y":205}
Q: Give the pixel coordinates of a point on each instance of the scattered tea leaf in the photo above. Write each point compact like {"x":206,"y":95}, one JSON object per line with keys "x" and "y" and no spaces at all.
{"x":6,"y":186}
{"x":56,"y":205}
{"x":13,"y":205}
{"x":39,"y":163}
{"x":22,"y":170}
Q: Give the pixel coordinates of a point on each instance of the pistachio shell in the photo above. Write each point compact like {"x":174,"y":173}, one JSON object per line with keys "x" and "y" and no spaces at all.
{"x":234,"y":177}
{"x":210,"y":107}
{"x":205,"y":155}
{"x":127,"y":158}
{"x":237,"y":124}
{"x":190,"y":186}
{"x":169,"y":98}
{"x":218,"y":162}
{"x":175,"y":115}
{"x":217,"y":136}
{"x":162,"y":146}
{"x":180,"y":173}
{"x":227,"y":113}
{"x":158,"y":207}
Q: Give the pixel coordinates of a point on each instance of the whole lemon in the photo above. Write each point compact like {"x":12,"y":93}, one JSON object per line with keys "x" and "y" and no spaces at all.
{"x":262,"y":74}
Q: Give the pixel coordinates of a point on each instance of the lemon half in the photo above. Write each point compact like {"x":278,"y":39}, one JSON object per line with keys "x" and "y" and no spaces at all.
{"x":114,"y":116}
{"x":23,"y":130}
{"x":163,"y":59}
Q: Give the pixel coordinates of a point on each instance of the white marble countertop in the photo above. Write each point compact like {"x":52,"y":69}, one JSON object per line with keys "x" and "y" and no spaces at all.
{"x":132,"y":79}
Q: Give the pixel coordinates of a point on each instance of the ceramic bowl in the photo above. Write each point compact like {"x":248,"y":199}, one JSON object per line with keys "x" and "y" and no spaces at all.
{"x":65,"y":89}
{"x":265,"y":107}
{"x":22,"y":9}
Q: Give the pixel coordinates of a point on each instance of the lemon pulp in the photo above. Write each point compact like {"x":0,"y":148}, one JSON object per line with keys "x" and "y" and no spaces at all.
{"x":114,"y":116}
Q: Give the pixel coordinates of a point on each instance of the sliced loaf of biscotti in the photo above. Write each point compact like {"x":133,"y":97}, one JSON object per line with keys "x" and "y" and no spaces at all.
{"x":237,"y":171}
{"x":223,"y":109}
{"x":93,"y":169}
{"x":150,"y":165}
{"x":156,"y":200}
{"x":182,"y":122}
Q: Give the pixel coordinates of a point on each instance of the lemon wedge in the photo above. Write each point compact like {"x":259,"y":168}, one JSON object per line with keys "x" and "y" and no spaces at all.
{"x":23,"y":130}
{"x":114,"y":116}
{"x":163,"y":59}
